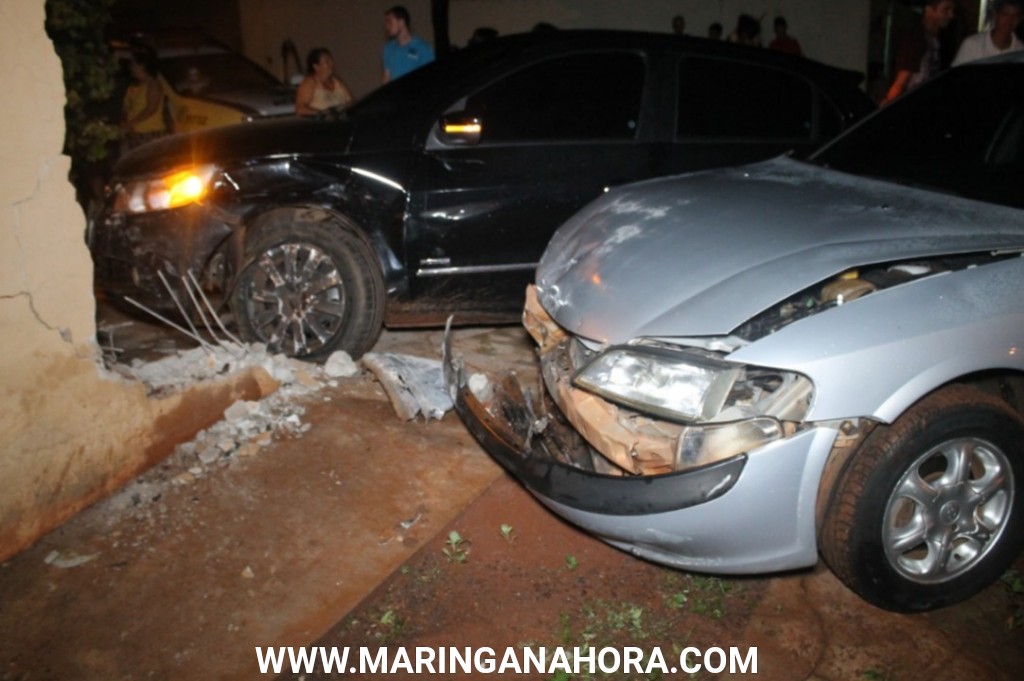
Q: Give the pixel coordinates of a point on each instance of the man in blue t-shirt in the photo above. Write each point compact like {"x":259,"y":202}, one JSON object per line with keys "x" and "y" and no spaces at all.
{"x":403,"y":51}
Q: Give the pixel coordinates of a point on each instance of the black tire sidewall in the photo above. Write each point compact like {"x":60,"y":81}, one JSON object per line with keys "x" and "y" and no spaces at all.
{"x":878,"y":580}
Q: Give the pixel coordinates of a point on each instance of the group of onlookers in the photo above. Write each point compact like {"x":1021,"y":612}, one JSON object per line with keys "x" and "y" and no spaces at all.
{"x":919,"y":55}
{"x":748,"y":32}
{"x":918,"y":58}
{"x":404,"y":51}
{"x":144,"y":111}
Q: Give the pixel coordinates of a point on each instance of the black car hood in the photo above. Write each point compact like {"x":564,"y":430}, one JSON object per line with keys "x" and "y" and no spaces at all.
{"x":234,"y":143}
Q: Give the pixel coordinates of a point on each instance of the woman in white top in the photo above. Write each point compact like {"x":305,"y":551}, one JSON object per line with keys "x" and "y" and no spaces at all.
{"x":320,"y":89}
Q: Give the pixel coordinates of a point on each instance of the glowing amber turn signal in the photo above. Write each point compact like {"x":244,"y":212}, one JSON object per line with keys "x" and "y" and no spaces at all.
{"x":463,"y":128}
{"x":184,"y":188}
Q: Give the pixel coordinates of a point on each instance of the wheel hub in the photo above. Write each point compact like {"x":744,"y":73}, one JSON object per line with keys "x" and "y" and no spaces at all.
{"x":950,"y":512}
{"x":296,"y":298}
{"x":293,"y":303}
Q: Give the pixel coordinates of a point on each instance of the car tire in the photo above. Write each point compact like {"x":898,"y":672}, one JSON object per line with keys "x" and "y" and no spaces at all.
{"x":928,"y":511}
{"x":308,"y":290}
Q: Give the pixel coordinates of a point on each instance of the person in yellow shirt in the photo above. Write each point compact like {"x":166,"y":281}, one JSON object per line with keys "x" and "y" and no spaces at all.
{"x":143,"y":114}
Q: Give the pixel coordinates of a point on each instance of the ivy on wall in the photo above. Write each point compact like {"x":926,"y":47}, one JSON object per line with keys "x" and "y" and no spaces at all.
{"x":78,"y":31}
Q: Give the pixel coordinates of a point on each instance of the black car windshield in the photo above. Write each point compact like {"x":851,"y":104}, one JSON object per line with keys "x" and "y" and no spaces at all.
{"x":437,"y":81}
{"x":962,"y":133}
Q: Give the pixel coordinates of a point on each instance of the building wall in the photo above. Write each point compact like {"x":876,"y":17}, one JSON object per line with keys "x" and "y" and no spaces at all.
{"x":832,"y":32}
{"x":70,"y":433}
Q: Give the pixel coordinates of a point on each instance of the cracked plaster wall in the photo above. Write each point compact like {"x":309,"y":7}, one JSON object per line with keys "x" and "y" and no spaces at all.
{"x":70,"y":433}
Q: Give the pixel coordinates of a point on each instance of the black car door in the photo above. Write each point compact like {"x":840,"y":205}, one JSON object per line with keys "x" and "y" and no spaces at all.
{"x":552,"y":135}
{"x":731,"y":111}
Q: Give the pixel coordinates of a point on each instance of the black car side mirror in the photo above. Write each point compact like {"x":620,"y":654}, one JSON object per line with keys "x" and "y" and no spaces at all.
{"x":460,"y":128}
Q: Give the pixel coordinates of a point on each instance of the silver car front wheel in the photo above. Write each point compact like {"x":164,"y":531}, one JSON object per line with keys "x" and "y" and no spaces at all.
{"x":948,"y":510}
{"x":928,"y":510}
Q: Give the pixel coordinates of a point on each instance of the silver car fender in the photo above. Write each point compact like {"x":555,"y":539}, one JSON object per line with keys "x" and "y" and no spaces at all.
{"x":877,"y":355}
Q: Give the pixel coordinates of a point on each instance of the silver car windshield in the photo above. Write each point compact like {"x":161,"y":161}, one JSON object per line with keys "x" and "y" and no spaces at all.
{"x":962,"y":133}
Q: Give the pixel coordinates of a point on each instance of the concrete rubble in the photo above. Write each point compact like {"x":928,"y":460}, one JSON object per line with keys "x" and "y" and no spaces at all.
{"x":247,"y":426}
{"x":415,"y":385}
{"x":67,"y":559}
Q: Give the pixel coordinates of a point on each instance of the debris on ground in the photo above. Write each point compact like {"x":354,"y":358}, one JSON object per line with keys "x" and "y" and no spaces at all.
{"x":414,"y":385}
{"x":247,"y":425}
{"x":187,"y":367}
{"x":67,"y":559}
{"x":402,"y":530}
{"x":340,"y":365}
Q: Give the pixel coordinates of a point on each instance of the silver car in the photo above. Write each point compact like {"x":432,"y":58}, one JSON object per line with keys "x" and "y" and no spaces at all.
{"x":746,"y":368}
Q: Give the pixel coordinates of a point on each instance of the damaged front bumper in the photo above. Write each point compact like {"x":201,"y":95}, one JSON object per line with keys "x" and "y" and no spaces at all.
{"x":750,"y":512}
{"x":134,"y":254}
{"x":536,"y":446}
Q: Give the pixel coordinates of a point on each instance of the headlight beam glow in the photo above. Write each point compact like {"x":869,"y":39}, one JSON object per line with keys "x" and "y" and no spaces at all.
{"x":172,"y":190}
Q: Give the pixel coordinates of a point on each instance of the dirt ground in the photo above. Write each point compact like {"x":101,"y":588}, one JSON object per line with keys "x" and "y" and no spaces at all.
{"x":523,"y":578}
{"x":342,"y":536}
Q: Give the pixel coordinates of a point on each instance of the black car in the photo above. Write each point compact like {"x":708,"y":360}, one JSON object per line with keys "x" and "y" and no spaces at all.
{"x":438,"y":192}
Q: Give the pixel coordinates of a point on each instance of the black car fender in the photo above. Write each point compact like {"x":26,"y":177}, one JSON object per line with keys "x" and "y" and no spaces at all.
{"x":273,"y":217}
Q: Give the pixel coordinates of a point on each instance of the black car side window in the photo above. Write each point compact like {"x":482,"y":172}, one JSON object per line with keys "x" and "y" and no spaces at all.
{"x":587,"y":96}
{"x":962,"y":134}
{"x":720,"y":98}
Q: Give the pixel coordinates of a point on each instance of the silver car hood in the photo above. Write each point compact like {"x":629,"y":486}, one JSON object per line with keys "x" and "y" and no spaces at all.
{"x":700,"y":254}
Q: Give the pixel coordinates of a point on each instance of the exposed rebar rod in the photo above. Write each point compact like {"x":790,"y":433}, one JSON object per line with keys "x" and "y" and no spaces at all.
{"x":184,"y":314}
{"x":167,"y":321}
{"x":210,"y":307}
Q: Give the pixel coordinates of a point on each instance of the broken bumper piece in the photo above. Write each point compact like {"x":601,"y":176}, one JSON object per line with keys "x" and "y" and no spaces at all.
{"x":541,"y":458}
{"x":744,"y":514}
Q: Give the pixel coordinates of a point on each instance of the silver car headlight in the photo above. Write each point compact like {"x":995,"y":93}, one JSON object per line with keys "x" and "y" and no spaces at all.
{"x":670,"y":384}
{"x":693,"y":388}
{"x":171,"y":190}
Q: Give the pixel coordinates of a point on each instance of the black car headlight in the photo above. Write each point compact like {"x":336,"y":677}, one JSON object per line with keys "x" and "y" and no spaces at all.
{"x":163,"y":192}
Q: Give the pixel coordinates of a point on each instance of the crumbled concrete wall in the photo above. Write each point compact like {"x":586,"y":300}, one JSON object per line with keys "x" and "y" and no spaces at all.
{"x":70,"y":434}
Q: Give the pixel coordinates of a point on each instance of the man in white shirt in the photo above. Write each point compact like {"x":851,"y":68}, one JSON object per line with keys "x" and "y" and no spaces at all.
{"x":1006,"y":17}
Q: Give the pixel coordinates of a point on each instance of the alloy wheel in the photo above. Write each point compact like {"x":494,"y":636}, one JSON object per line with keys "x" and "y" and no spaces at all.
{"x":948,"y":510}
{"x":296,"y":298}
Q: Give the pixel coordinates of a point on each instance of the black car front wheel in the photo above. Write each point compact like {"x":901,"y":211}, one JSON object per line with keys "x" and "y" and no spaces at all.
{"x":308,"y":290}
{"x":929,"y":511}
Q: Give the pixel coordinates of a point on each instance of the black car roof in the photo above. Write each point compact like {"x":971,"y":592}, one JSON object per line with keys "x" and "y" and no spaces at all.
{"x":396,"y":113}
{"x":453,"y":69}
